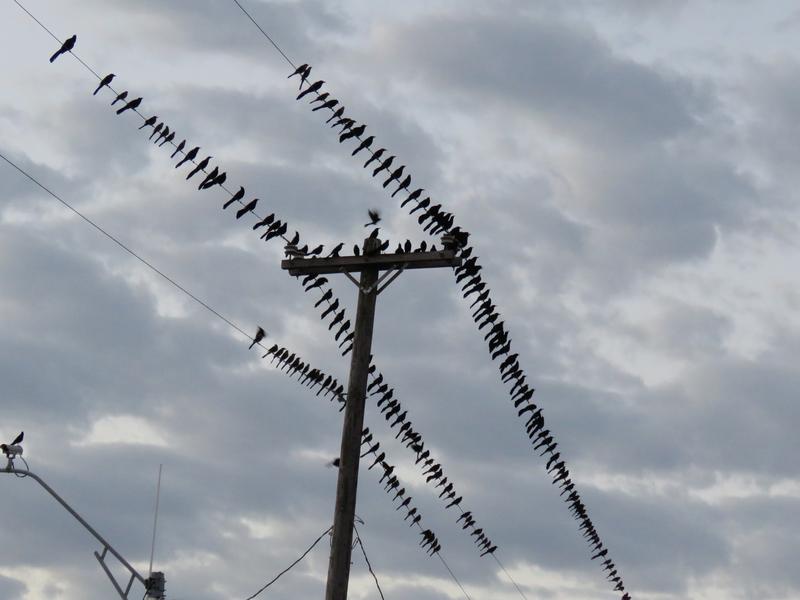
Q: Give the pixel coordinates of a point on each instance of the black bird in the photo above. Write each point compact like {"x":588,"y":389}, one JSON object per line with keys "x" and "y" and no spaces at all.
{"x":345,"y":123}
{"x":149,"y":122}
{"x":218,"y":180}
{"x":384,"y":165}
{"x":342,"y":329}
{"x":316,"y":251}
{"x":403,"y":185}
{"x":374,"y":234}
{"x":260,"y":334}
{"x":337,"y":319}
{"x":335,"y":252}
{"x":180,"y":147}
{"x":413,"y":196}
{"x":375,"y":156}
{"x":311,"y":89}
{"x":356,"y":132}
{"x":168,"y":138}
{"x":299,"y":71}
{"x":164,"y":133}
{"x":333,"y":307}
{"x":398,"y":172}
{"x":156,"y":130}
{"x":324,"y":298}
{"x":104,"y":82}
{"x":374,"y":217}
{"x":133,"y":104}
{"x":246,"y":208}
{"x":337,"y":114}
{"x":68,"y":45}
{"x":190,"y":155}
{"x":356,"y":251}
{"x":200,"y":166}
{"x":318,"y":283}
{"x":120,"y":96}
{"x":364,"y":144}
{"x":329,"y":104}
{"x":235,"y":198}
{"x":320,"y":98}
{"x":209,"y":177}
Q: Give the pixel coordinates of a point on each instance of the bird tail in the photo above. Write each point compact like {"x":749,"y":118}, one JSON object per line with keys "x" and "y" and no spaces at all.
{"x":55,"y":56}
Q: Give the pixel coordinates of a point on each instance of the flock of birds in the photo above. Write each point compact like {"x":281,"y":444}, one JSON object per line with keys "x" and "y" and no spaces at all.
{"x":486,"y":315}
{"x":434,"y":220}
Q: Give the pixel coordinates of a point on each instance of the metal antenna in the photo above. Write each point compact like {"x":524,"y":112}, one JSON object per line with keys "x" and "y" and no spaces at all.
{"x":155,"y":519}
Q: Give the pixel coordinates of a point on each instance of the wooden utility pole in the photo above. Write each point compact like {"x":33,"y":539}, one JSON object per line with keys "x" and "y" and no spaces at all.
{"x":369,"y":286}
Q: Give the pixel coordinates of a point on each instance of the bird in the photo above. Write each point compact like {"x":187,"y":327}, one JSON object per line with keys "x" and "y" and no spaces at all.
{"x":68,"y":45}
{"x":320,"y":98}
{"x":334,"y":463}
{"x":235,"y":198}
{"x":403,"y":185}
{"x":384,"y":165}
{"x":396,"y":174}
{"x":336,"y":115}
{"x":121,"y":96}
{"x":149,"y":122}
{"x":355,"y":132}
{"x":164,"y":133}
{"x":104,"y":82}
{"x":200,"y":166}
{"x":413,"y":196}
{"x":260,"y":334}
{"x":180,"y":147}
{"x":299,"y":71}
{"x":167,"y":138}
{"x":328,"y":104}
{"x":246,"y":208}
{"x":132,"y":105}
{"x":190,"y":155}
{"x":366,"y":143}
{"x":157,"y":129}
{"x":210,"y":176}
{"x":375,"y":156}
{"x":218,"y":180}
{"x":335,"y":252}
{"x":311,"y":89}
{"x":374,"y":217}
{"x":316,"y":251}
{"x":324,"y":298}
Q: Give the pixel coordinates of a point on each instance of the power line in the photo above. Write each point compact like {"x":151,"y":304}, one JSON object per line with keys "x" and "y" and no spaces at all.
{"x":302,"y":556}
{"x":127,"y":249}
{"x":366,"y":558}
{"x":266,"y":35}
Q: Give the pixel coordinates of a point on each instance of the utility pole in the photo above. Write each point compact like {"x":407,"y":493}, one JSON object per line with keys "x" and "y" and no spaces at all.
{"x":370,"y":285}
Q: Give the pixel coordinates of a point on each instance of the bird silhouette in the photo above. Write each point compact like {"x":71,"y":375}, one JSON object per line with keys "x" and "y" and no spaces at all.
{"x":180,"y":147}
{"x":328,"y":104}
{"x":324,"y":298}
{"x":375,"y":156}
{"x":311,"y":89}
{"x":162,"y":134}
{"x":396,"y":174}
{"x":299,"y":71}
{"x":104,"y":82}
{"x":366,"y":143}
{"x":403,"y":185}
{"x":156,"y":130}
{"x":210,"y":176}
{"x":337,"y":114}
{"x":120,"y":97}
{"x":149,"y":122}
{"x":335,"y":252}
{"x":374,"y":217}
{"x":413,"y":196}
{"x":320,"y":98}
{"x":200,"y":167}
{"x":132,"y":105}
{"x":190,"y":155}
{"x":384,"y":165}
{"x":235,"y":198}
{"x":68,"y":45}
{"x":260,"y":334}
{"x":168,"y":138}
{"x":355,"y":132}
{"x":246,"y":208}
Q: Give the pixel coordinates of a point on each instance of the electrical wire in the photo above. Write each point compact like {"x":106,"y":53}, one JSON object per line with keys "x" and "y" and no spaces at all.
{"x":266,"y":35}
{"x":366,"y":558}
{"x":302,"y":556}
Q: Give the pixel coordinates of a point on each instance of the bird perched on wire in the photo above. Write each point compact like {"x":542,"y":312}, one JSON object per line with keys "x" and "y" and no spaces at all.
{"x":120,"y":97}
{"x":304,"y":71}
{"x":246,"y":208}
{"x":179,"y":148}
{"x":150,"y":121}
{"x":260,"y":335}
{"x":68,"y":45}
{"x":200,"y":166}
{"x":190,"y":155}
{"x":316,"y":86}
{"x":104,"y":82}
{"x":14,"y":448}
{"x":132,"y":105}
{"x":374,"y":217}
{"x":364,"y":144}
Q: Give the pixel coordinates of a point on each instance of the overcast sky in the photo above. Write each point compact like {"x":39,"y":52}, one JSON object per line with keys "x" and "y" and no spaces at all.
{"x":628,"y":173}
